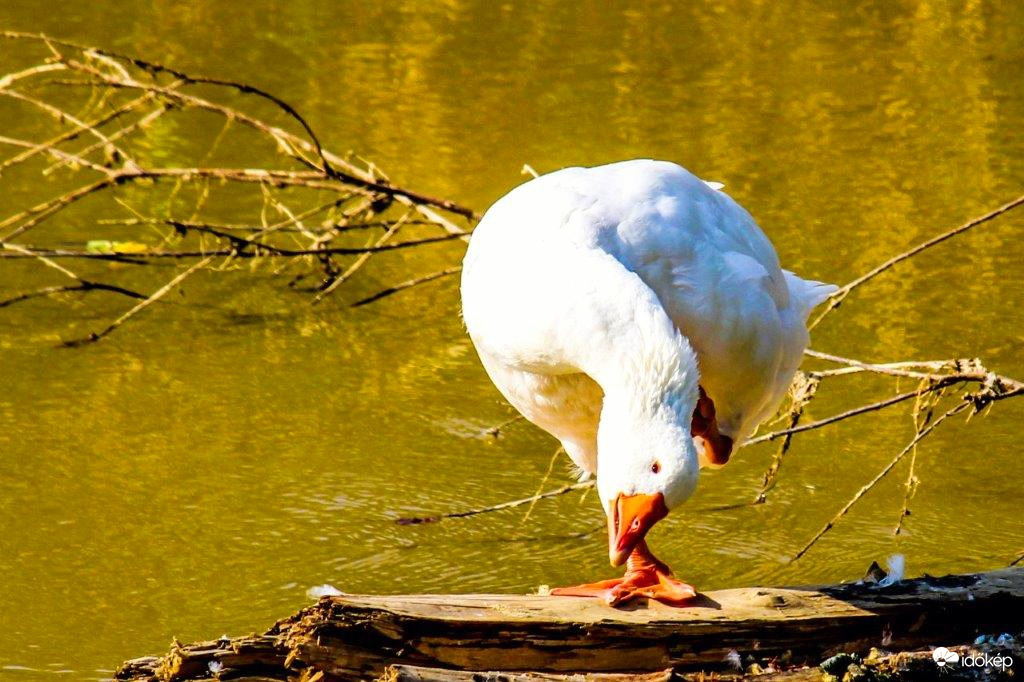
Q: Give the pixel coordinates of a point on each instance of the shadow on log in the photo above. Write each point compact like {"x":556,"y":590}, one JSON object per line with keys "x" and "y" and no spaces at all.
{"x":507,"y":638}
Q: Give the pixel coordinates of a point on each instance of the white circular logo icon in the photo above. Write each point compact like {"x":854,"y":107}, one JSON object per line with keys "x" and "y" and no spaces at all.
{"x":942,"y":656}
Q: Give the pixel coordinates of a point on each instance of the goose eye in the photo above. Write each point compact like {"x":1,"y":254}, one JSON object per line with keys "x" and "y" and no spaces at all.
{"x":656,"y":467}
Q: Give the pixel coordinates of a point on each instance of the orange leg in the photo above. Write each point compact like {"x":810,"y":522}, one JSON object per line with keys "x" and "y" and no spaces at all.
{"x":646,"y":576}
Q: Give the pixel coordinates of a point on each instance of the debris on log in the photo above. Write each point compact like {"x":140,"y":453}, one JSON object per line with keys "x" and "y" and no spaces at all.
{"x":785,"y":633}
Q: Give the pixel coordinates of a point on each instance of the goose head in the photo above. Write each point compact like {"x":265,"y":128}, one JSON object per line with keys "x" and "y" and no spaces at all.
{"x":647,"y":464}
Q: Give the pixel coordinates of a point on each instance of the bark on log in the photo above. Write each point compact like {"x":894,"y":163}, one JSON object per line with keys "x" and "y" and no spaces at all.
{"x":412,"y":673}
{"x":353,"y":637}
{"x":409,"y":673}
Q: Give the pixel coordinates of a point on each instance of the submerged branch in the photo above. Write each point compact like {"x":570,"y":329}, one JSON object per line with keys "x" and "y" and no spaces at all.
{"x":408,"y":284}
{"x":238,"y":249}
{"x":81,"y":286}
{"x":155,"y":296}
{"x":557,"y":492}
{"x":115,"y":99}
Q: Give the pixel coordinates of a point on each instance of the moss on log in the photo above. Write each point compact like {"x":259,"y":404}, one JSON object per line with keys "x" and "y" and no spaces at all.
{"x":499,"y":638}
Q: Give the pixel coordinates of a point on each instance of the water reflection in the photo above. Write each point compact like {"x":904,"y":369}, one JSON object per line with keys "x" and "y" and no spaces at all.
{"x":198,"y":472}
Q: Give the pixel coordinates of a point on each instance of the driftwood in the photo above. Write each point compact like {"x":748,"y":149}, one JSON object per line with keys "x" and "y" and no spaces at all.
{"x":417,"y":638}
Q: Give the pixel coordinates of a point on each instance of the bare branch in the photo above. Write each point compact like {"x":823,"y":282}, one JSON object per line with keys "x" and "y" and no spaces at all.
{"x":359,"y":262}
{"x":237,"y":250}
{"x":101,"y":75}
{"x":496,"y":430}
{"x":836,"y":299}
{"x":416,"y":281}
{"x":416,"y":520}
{"x":878,"y":477}
{"x":81,"y":286}
{"x":74,"y":133}
{"x":853,"y":412}
{"x":802,"y":392}
{"x":155,"y":296}
{"x":62,"y":116}
{"x":351,"y":176}
{"x":63,"y":156}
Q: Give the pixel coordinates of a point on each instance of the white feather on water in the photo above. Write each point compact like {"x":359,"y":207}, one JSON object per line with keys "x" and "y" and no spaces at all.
{"x":897,"y":566}
{"x":325,"y":590}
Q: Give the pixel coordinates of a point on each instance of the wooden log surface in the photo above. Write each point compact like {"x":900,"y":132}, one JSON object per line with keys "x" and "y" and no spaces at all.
{"x":409,"y":673}
{"x":412,"y":673}
{"x":353,"y":637}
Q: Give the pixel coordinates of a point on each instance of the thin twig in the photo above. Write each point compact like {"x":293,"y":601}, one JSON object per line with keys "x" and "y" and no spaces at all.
{"x":62,"y":116}
{"x":237,"y":249}
{"x":64,"y":157}
{"x":496,"y":430}
{"x":238,"y":227}
{"x":155,"y":68}
{"x":964,"y":370}
{"x":361,"y":260}
{"x":416,"y":520}
{"x":802,"y":391}
{"x":409,"y":283}
{"x":836,"y":298}
{"x":349,"y":177}
{"x":853,"y":412}
{"x":879,"y":476}
{"x":891,"y":369}
{"x":38,"y":213}
{"x":155,"y":296}
{"x":77,"y":131}
{"x":124,"y":131}
{"x":81,"y":286}
{"x":921,"y":414}
{"x":30,"y":72}
{"x":540,"y":488}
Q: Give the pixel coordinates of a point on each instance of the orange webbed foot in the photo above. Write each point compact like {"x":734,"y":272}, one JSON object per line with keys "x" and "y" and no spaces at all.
{"x":645,"y":577}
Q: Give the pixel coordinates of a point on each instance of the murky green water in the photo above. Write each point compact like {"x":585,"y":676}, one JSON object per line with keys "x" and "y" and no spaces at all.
{"x":200,"y":469}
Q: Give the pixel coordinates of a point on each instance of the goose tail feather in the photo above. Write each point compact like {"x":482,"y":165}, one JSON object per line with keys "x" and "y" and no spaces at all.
{"x":806,"y":293}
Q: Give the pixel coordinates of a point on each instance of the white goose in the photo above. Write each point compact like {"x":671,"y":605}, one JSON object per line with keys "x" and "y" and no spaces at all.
{"x":640,"y":316}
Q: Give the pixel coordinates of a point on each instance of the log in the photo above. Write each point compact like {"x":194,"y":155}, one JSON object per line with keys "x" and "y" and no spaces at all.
{"x":410,"y":673}
{"x":414,"y":673}
{"x":421,"y":638}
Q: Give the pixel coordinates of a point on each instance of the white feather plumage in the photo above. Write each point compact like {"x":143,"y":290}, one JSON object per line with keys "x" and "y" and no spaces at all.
{"x":598,"y":299}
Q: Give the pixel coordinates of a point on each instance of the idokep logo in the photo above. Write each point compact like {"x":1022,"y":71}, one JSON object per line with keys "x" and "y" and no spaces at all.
{"x":944,"y":657}
{"x":997,"y":661}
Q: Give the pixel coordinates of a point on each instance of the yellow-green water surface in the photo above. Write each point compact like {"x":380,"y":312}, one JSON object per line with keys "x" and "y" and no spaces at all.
{"x":196,"y":472}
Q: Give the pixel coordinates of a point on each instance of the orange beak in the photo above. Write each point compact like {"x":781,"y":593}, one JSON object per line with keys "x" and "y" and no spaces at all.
{"x":629,"y":519}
